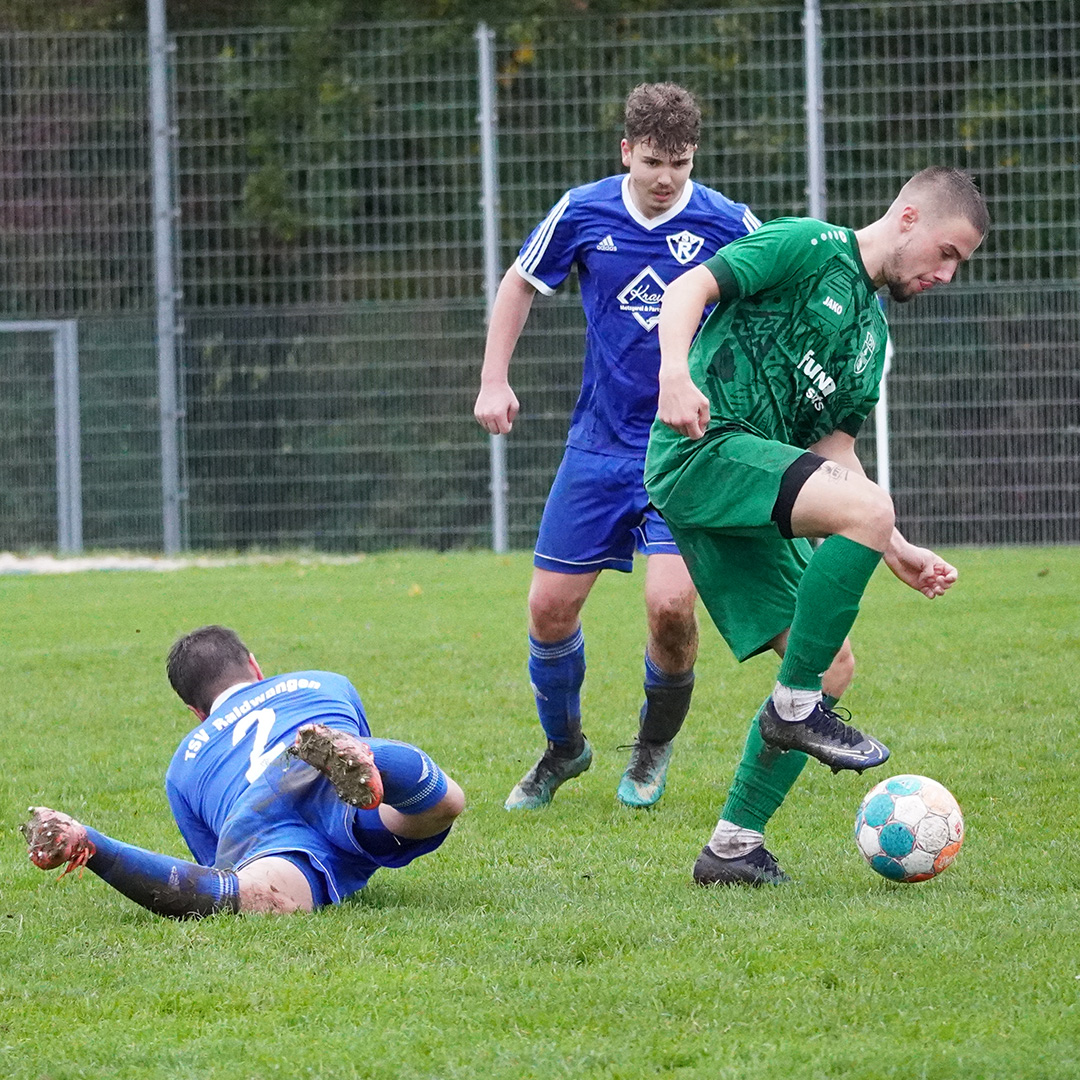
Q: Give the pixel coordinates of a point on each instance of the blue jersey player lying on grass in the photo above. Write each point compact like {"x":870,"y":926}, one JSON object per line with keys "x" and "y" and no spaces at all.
{"x":285,"y":800}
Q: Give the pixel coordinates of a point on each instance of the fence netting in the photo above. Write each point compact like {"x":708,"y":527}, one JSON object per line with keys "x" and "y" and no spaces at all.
{"x":329,"y":258}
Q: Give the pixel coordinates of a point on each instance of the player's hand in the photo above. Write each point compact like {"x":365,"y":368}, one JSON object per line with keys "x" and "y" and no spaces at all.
{"x":683,"y":406}
{"x":496,"y":408}
{"x":922,"y":570}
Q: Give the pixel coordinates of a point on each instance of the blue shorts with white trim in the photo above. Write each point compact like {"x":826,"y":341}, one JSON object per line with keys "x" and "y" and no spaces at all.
{"x":597,"y":514}
{"x":293,"y":811}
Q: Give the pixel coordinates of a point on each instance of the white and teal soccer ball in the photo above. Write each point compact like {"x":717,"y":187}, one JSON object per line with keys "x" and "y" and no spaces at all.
{"x":909,"y":828}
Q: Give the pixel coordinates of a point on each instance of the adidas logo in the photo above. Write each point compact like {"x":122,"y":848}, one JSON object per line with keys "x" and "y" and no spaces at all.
{"x":607,"y":244}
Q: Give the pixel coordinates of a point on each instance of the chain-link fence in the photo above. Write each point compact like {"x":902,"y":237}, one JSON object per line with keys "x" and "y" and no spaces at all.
{"x":330,"y":258}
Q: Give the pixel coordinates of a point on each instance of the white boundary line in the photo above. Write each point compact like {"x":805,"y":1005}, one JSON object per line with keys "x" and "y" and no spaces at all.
{"x":50,"y":564}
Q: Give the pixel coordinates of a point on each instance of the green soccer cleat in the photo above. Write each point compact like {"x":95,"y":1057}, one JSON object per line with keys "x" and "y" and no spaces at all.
{"x":643,"y":782}
{"x":537,"y":787}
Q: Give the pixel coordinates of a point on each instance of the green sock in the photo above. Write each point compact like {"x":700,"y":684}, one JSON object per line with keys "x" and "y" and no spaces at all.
{"x":762,"y":780}
{"x":825,"y":608}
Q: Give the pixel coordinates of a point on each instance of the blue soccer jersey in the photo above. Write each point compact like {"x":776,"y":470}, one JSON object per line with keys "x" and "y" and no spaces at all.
{"x":625,"y":262}
{"x":236,"y":796}
{"x":224,"y":755}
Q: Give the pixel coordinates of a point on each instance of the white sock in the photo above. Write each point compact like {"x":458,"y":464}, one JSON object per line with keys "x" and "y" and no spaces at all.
{"x":794,"y":705}
{"x":732,"y":842}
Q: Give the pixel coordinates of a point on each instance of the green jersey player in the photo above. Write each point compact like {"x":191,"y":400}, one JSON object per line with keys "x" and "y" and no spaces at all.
{"x":753,"y":452}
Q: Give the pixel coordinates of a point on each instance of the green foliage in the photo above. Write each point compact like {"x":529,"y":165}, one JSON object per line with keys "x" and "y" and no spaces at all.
{"x":569,"y":943}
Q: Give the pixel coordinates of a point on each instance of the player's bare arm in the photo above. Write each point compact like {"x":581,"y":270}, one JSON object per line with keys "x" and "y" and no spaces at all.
{"x":497,"y":405}
{"x":918,"y":567}
{"x":682,"y":405}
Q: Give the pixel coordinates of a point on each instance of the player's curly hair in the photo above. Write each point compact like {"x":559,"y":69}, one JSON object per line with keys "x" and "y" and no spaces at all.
{"x":666,"y":114}
{"x":205,"y":662}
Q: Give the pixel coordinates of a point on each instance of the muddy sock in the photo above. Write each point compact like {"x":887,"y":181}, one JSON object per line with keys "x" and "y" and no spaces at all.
{"x":667,"y":701}
{"x":160,"y":883}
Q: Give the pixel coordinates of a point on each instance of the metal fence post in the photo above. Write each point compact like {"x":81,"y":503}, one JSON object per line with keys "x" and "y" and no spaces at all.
{"x":815,"y":193}
{"x":165,"y":288}
{"x":815,"y":110}
{"x":68,"y":436}
{"x":489,"y":199}
{"x":881,"y":423}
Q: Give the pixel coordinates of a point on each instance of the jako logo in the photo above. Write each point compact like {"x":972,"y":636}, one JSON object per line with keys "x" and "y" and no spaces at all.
{"x":833,"y":305}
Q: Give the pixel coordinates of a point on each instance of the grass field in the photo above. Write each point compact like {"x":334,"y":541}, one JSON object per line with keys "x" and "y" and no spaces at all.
{"x":571,"y":942}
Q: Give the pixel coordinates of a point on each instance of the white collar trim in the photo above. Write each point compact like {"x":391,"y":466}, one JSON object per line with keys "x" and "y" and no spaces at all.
{"x":221,"y":698}
{"x":660,"y":219}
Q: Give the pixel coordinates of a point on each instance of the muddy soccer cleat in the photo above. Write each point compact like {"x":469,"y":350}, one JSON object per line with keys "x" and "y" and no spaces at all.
{"x":537,"y":787}
{"x":757,"y":867}
{"x":822,"y":735}
{"x":345,"y":760}
{"x":54,"y":839}
{"x":643,"y":782}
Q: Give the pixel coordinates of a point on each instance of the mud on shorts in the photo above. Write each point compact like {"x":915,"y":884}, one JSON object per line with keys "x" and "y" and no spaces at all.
{"x":292,"y":811}
{"x":729,"y":509}
{"x":597,"y":514}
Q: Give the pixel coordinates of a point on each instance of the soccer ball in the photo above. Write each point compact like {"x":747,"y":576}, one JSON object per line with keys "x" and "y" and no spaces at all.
{"x":909,"y":828}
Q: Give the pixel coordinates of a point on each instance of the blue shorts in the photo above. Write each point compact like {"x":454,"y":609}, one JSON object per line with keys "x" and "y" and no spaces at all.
{"x":292,"y":811}
{"x":597,"y":513}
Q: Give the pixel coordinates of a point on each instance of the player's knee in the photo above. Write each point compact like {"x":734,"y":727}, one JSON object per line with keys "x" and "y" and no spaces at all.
{"x":444,"y":813}
{"x":882,"y":511}
{"x":273,"y":886}
{"x":673,"y":623}
{"x":551,"y":618}
{"x":870,"y":517}
{"x":452,"y":803}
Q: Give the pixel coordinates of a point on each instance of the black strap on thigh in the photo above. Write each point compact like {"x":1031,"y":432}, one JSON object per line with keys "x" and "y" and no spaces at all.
{"x":791,"y":483}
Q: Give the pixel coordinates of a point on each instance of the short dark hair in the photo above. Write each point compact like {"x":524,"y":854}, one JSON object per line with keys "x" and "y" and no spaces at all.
{"x":951,"y":192}
{"x":664,"y":113}
{"x":205,"y":662}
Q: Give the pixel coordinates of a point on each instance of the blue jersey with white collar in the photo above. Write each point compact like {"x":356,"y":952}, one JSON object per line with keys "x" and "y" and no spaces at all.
{"x":625,"y":262}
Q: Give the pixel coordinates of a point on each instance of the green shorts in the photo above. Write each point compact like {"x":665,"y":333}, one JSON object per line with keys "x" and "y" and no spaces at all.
{"x":728,"y":506}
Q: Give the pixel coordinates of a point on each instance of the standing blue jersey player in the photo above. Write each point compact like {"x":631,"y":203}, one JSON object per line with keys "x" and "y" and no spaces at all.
{"x":285,"y":800}
{"x":628,"y":236}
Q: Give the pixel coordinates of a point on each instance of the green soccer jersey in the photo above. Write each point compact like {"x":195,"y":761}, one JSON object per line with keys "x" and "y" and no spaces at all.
{"x":795,"y":348}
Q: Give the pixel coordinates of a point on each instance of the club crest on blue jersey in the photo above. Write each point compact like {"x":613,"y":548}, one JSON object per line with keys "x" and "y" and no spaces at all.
{"x":597,"y":229}
{"x":684,"y":246}
{"x":642,"y":297}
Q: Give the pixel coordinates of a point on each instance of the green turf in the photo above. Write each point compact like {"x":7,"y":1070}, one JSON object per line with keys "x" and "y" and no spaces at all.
{"x":570,"y":942}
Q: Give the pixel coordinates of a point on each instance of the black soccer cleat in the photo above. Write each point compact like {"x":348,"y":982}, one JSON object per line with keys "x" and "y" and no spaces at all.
{"x":822,"y":735}
{"x":758,"y":867}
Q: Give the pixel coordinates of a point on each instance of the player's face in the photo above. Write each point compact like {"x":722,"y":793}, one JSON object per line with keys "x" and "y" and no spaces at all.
{"x":929,"y":252}
{"x":657,"y":179}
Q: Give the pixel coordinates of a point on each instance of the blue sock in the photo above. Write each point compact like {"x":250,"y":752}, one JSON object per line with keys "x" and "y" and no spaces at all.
{"x":160,"y":883}
{"x":667,"y":701}
{"x":557,"y":671}
{"x":412,"y":782}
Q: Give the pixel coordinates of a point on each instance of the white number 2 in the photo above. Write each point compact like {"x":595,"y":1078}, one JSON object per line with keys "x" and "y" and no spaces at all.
{"x":263,"y":720}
